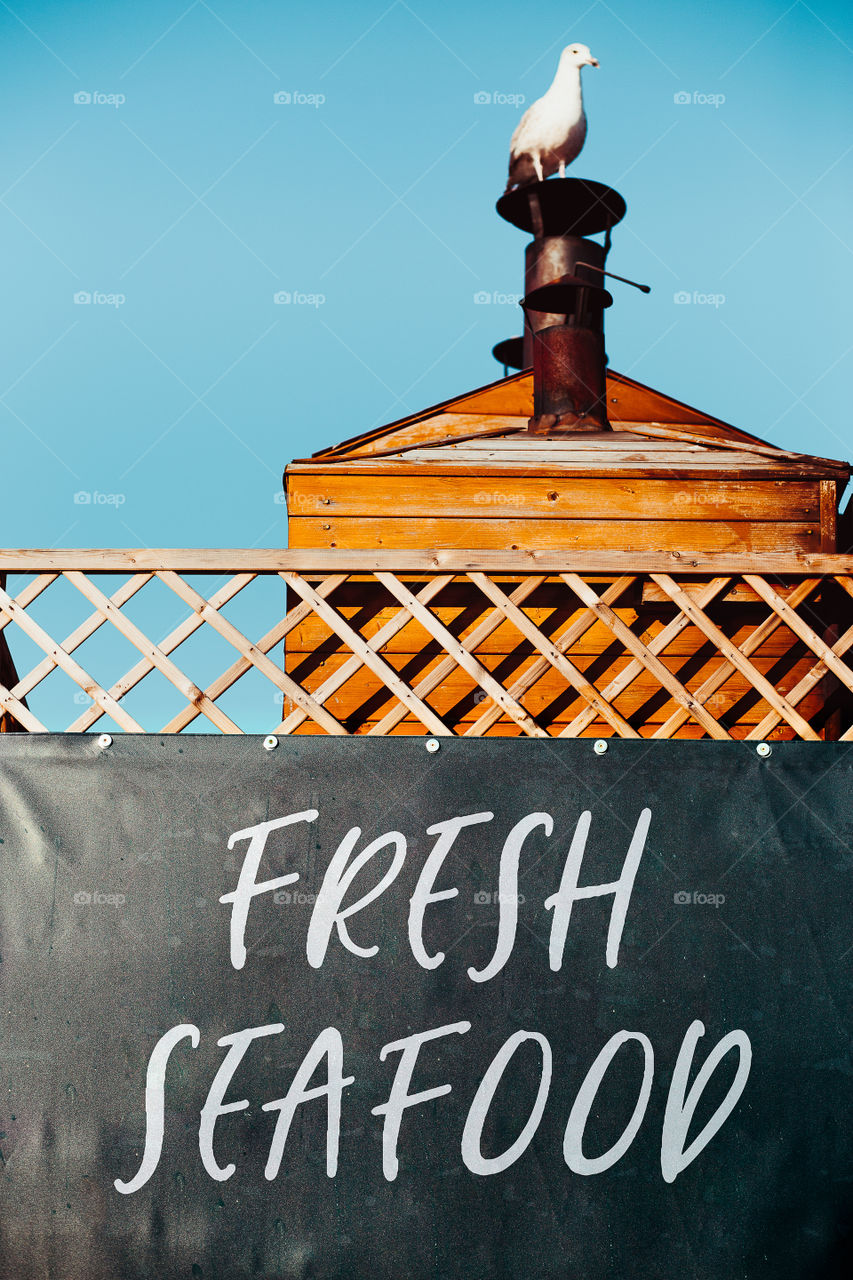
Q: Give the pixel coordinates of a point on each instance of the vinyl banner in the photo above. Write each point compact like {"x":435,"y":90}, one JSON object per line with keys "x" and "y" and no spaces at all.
{"x":414,"y":1009}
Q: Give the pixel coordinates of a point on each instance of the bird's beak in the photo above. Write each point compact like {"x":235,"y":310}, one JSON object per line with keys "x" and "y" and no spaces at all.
{"x":593,"y":62}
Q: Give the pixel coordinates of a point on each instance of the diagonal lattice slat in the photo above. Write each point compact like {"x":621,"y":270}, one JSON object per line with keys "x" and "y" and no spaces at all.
{"x":554,"y":656}
{"x":446,"y":667}
{"x":467,"y":661}
{"x":72,"y":668}
{"x":239,"y":668}
{"x":649,"y":660}
{"x":249,"y":651}
{"x":152,"y":652}
{"x":730,"y":651}
{"x":181,"y":633}
{"x":753,"y":641}
{"x":656,"y":646}
{"x":354,"y":664}
{"x":359,"y":646}
{"x":571,"y":634}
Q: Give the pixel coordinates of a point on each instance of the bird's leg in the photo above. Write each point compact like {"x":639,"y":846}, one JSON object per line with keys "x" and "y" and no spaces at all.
{"x":537,"y":165}
{"x":562,"y":168}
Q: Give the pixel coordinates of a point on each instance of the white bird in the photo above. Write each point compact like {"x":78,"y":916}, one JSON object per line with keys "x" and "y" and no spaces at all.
{"x":551,"y":132}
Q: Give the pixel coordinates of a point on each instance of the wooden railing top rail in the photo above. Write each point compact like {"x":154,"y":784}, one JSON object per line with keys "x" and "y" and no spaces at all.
{"x":321,"y":560}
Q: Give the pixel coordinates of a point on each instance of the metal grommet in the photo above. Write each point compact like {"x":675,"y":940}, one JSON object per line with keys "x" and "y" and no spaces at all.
{"x":105,"y":741}
{"x":433,"y":744}
{"x":270,"y":742}
{"x":764,"y":749}
{"x":599,"y":746}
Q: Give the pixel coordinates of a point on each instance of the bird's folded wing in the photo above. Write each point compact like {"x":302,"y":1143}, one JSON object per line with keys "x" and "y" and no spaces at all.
{"x":527,"y":130}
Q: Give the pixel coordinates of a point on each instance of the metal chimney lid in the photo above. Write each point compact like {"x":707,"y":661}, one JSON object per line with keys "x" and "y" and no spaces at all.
{"x":570,"y":207}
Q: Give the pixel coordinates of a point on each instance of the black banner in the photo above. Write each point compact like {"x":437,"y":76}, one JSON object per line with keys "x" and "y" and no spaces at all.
{"x":362,"y":1009}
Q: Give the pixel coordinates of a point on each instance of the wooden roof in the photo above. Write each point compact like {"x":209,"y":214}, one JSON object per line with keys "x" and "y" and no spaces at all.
{"x":486,"y":429}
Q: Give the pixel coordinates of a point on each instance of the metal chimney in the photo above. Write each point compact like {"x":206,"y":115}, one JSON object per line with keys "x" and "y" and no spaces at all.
{"x":564,"y":302}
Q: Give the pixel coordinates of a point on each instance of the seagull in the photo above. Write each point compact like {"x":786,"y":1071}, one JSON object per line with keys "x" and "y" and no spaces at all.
{"x":551,"y":133}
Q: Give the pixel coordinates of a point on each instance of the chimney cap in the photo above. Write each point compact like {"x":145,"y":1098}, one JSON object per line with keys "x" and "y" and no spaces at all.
{"x":569,"y":207}
{"x":510,"y":353}
{"x":560,"y":296}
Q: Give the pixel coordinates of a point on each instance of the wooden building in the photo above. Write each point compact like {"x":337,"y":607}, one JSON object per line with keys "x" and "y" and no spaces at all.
{"x":467,"y":474}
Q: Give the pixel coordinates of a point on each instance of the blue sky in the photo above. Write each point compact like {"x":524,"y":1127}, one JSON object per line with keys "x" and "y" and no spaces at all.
{"x":185,"y":189}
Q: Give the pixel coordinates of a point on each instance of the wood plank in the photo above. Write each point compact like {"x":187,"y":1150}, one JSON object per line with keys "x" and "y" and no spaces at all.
{"x":152,"y":652}
{"x":508,"y":729}
{"x":737,"y":659}
{"x":757,"y":639}
{"x":378,"y":665}
{"x":514,"y":395}
{"x":239,"y":668}
{"x":323,"y":560}
{"x":313,"y":636}
{"x":560,"y":455}
{"x":334,"y":494}
{"x":652,"y":663}
{"x":447,"y":666}
{"x":828,"y":515}
{"x":690,"y":732}
{"x":68,"y":664}
{"x":577,"y":442}
{"x":677,"y":431}
{"x":640,"y":536}
{"x":705,"y":466}
{"x":553,"y":655}
{"x":461,"y":655}
{"x":354,"y":664}
{"x":546,"y":694}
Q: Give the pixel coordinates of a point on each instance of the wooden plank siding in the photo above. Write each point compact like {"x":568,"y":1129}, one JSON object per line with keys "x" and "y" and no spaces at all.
{"x":477,"y":497}
{"x":499,"y":533}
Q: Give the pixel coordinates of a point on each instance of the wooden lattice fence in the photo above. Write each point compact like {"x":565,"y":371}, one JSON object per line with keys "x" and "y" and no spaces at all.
{"x":471,"y":643}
